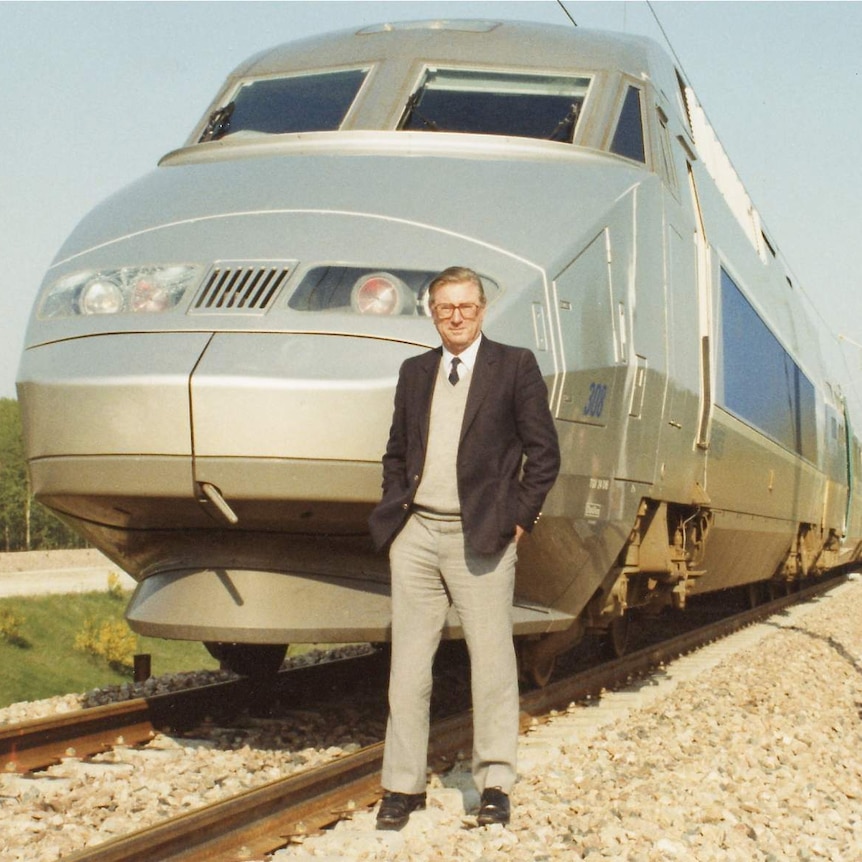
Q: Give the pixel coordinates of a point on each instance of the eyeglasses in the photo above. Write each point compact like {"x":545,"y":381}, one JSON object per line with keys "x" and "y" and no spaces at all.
{"x":444,"y":310}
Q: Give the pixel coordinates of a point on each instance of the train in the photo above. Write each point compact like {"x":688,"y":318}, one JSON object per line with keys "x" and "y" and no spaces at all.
{"x":208,"y":373}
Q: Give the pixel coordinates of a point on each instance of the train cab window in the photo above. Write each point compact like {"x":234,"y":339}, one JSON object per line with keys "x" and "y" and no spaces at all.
{"x":628,"y":139}
{"x":546,"y":107}
{"x":299,"y":103}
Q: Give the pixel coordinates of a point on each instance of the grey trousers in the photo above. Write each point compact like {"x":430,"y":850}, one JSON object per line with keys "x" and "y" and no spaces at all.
{"x":431,"y":567}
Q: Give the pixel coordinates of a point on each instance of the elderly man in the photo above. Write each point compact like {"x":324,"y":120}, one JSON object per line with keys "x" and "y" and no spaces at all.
{"x":472,"y":453}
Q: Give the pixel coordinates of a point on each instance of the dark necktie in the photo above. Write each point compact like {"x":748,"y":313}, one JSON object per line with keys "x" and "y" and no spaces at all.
{"x":453,"y":374}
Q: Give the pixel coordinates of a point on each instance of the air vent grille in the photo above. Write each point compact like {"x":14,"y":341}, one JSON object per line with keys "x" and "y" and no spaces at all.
{"x":240,"y":289}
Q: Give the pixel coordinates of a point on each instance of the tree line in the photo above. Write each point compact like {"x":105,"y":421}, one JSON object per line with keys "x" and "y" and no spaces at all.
{"x":25,"y":525}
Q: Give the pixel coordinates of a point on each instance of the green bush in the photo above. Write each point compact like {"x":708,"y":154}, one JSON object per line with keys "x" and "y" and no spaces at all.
{"x":10,"y":628}
{"x":51,"y":666}
{"x":111,"y":640}
{"x":115,"y":586}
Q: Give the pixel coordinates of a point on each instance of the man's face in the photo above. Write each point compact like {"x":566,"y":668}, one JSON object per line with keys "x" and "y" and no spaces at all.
{"x":458,"y":332}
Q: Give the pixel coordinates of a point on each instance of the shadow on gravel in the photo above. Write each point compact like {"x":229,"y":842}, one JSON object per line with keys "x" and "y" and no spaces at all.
{"x":839,"y":648}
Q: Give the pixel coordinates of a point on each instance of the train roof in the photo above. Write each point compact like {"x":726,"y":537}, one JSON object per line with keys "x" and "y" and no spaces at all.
{"x":510,"y":43}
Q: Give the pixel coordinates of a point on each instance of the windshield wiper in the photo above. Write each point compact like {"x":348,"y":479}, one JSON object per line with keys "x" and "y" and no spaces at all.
{"x":565,"y":129}
{"x":218,"y":124}
{"x":410,"y":112}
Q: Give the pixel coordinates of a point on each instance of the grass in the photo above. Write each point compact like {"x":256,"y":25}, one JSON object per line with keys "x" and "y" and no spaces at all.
{"x":39,"y":658}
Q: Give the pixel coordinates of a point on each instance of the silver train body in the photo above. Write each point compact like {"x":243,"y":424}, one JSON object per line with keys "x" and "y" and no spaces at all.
{"x":209,"y":369}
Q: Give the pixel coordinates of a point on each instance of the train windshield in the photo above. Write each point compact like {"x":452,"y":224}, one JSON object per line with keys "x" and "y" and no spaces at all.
{"x":276,"y":106}
{"x":496,"y":103}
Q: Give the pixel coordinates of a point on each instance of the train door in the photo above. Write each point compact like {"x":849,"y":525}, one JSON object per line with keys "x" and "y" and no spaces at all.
{"x":704,"y":301}
{"x":853,"y":514}
{"x":689,"y":321}
{"x":851,"y":468}
{"x":589,"y":387}
{"x":589,"y":344}
{"x":600,"y":389}
{"x":836,"y":466}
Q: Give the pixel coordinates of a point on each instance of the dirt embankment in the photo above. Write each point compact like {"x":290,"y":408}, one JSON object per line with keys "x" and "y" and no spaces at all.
{"x":34,"y":561}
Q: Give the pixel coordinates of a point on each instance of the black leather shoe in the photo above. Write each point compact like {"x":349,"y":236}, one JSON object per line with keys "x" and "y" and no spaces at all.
{"x":395,"y":809}
{"x":494,"y":807}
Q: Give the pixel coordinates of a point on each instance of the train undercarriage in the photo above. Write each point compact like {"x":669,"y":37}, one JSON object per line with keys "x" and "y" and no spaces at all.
{"x":663,"y":562}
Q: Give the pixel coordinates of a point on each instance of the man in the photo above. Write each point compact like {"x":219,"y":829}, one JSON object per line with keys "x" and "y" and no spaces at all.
{"x":455,"y":503}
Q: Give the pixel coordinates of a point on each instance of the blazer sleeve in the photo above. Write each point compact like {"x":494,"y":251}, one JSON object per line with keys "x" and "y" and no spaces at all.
{"x":538,"y":435}
{"x":403,"y":453}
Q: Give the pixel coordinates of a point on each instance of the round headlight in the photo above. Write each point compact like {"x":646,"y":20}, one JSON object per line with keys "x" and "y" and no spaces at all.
{"x":101,"y":296}
{"x":379,"y":293}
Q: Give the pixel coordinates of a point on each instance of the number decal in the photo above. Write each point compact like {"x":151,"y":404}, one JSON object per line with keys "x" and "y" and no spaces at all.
{"x":596,"y":402}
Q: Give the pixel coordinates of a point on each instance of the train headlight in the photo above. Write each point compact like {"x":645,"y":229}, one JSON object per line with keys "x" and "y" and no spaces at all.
{"x":101,"y":296}
{"x":149,"y":295}
{"x":380,"y":293}
{"x":136,"y":289}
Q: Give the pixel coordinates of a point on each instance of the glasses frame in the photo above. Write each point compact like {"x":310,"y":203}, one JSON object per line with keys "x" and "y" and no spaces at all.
{"x":452,"y":307}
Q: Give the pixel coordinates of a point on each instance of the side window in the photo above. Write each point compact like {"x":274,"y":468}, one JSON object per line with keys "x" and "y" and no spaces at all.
{"x":761,"y":384}
{"x":666,"y":154}
{"x":629,"y":137}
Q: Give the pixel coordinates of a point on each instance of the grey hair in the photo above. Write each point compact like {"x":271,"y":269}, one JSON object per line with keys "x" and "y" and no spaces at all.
{"x":456,"y":275}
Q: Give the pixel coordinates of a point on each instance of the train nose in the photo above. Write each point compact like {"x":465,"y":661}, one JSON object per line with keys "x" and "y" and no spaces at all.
{"x":275,"y":431}
{"x":293,"y":396}
{"x":290,"y":424}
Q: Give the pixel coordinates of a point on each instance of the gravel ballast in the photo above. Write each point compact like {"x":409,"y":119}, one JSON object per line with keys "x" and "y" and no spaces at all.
{"x":748,"y":750}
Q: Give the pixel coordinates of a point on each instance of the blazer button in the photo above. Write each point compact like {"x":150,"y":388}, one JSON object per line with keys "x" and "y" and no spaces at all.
{"x":416,"y":478}
{"x":405,"y":505}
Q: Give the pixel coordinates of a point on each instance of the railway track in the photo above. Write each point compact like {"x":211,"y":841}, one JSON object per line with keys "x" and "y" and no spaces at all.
{"x":260,"y":821}
{"x":37,"y":744}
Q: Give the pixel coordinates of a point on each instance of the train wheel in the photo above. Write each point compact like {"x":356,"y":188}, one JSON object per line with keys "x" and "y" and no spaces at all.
{"x":616,"y":641}
{"x":758,"y":593}
{"x":535,"y":666}
{"x":253,"y":660}
{"x":540,"y":674}
{"x":780,"y":589}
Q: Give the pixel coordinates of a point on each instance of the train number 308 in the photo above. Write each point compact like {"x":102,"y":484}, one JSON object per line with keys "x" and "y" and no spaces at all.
{"x":596,"y":402}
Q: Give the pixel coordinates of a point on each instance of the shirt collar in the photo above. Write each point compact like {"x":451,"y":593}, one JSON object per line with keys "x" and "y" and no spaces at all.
{"x":467,"y":357}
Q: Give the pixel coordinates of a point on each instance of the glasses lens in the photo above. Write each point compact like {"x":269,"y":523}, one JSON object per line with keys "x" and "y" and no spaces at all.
{"x":445,"y":310}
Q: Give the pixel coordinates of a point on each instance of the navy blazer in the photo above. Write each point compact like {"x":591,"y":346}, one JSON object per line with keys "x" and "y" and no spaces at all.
{"x":508,"y":454}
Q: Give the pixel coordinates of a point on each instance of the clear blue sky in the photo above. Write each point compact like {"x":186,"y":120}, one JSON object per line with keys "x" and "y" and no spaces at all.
{"x":95,"y":93}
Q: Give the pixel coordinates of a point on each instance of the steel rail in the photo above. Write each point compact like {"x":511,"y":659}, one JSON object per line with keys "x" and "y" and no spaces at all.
{"x":619,"y":671}
{"x":262,"y":820}
{"x":36,"y":744}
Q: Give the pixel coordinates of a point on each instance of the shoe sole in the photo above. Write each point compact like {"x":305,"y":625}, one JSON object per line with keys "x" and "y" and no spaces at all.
{"x":492,"y":821}
{"x":393,"y":825}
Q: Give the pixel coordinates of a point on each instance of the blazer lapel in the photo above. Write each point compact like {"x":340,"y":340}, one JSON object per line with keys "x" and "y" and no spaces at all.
{"x":424,"y":391}
{"x":480,"y":384}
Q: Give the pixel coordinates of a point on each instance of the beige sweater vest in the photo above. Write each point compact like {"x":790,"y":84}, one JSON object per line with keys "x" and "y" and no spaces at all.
{"x":438,"y":488}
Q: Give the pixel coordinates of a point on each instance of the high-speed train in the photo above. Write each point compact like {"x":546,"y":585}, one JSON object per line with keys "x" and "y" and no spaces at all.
{"x":209,"y":369}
